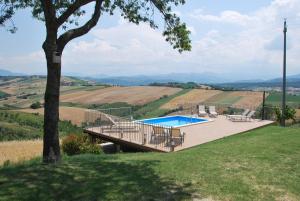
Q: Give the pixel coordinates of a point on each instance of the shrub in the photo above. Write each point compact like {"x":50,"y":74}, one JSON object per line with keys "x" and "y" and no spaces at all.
{"x":79,"y":144}
{"x":290,"y":113}
{"x":35,"y":105}
{"x":71,"y":145}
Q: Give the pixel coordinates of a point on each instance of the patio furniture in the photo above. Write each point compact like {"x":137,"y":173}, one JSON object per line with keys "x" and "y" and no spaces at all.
{"x":201,"y":111}
{"x":238,"y":115}
{"x":120,"y":126}
{"x":158,"y":133}
{"x":212,"y":111}
{"x":177,"y":134}
{"x":245,"y":118}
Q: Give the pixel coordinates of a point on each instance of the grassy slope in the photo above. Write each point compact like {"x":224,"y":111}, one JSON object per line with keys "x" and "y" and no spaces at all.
{"x":275,"y":99}
{"x":3,"y":94}
{"x":21,"y":125}
{"x":260,"y":165}
{"x":224,"y":98}
{"x":153,"y":109}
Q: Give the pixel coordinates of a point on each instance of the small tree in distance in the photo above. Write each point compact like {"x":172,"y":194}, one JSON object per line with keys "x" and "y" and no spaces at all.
{"x":59,"y":14}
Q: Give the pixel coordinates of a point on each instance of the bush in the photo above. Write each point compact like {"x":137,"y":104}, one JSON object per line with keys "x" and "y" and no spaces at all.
{"x":79,"y":144}
{"x":35,"y":105}
{"x":290,"y":113}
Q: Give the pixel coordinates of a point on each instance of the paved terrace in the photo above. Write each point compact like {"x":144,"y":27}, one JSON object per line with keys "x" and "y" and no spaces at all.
{"x":219,"y":128}
{"x":195,"y":135}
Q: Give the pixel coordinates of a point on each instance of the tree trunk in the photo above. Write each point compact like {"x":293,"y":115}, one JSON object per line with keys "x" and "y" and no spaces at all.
{"x":51,"y":151}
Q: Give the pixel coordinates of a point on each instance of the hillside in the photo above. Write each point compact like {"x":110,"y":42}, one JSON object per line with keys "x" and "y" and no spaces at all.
{"x":292,"y":81}
{"x":135,"y":95}
{"x":22,"y":91}
{"x":238,"y":99}
{"x":258,"y":165}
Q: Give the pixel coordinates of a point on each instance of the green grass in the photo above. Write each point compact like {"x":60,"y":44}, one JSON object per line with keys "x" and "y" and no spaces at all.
{"x":3,"y":95}
{"x":21,"y":125}
{"x":13,"y":131}
{"x":275,"y":99}
{"x":153,"y":109}
{"x":259,"y":165}
{"x":224,"y":98}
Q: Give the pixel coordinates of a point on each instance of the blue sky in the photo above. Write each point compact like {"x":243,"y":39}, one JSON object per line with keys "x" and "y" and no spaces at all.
{"x":239,"y":39}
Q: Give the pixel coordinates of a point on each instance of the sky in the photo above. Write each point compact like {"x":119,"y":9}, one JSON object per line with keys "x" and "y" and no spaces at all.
{"x":234,"y":38}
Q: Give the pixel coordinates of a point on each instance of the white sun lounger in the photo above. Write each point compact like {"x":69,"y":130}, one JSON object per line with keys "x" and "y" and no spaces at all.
{"x":212,"y":111}
{"x":239,"y":115}
{"x":201,"y":111}
{"x":248,"y":117}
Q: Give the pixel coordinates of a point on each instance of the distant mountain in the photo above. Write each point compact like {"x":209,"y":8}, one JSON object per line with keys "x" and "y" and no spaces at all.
{"x":291,"y":78}
{"x":9,"y":73}
{"x":292,"y":81}
{"x":203,"y":78}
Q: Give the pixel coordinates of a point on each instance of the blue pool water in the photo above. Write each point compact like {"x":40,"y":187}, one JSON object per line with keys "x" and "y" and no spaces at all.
{"x":173,"y":121}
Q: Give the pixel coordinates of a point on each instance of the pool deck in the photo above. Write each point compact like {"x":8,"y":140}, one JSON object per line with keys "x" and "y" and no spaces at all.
{"x":219,"y":128}
{"x":195,"y":135}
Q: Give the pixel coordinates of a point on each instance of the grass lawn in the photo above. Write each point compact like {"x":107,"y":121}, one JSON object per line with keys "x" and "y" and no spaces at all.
{"x":259,"y":165}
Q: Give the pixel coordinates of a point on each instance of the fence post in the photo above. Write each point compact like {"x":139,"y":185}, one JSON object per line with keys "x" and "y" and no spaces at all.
{"x":263,"y":106}
{"x":172,"y":143}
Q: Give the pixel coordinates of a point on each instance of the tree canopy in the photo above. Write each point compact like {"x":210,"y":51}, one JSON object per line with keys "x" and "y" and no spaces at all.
{"x":67,"y":12}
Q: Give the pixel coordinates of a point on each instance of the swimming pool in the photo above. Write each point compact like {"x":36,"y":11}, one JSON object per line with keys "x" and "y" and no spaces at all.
{"x":174,"y":121}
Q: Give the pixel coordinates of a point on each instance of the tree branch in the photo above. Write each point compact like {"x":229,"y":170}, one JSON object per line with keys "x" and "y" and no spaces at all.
{"x":49,"y":12}
{"x":74,"y":33}
{"x":71,"y":9}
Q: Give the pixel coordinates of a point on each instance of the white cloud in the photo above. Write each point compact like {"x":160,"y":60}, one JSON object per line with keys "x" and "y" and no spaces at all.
{"x":250,"y":50}
{"x":250,"y":44}
{"x":227,"y":16}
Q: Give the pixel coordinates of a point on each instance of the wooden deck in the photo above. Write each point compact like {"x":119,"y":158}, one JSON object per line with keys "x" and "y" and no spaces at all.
{"x":195,"y":135}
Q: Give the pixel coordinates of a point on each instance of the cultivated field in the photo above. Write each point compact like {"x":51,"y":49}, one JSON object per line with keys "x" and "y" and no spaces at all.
{"x":249,"y":99}
{"x":298,"y":113}
{"x":276,"y":98}
{"x":73,"y":114}
{"x":24,"y":91}
{"x":138,"y":95}
{"x":193,"y":97}
{"x":239,"y":99}
{"x":16,"y":151}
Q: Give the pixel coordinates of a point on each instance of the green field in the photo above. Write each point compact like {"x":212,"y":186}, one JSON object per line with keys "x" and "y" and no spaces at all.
{"x":3,"y":95}
{"x":27,"y":90}
{"x":259,"y":165}
{"x":153,"y":109}
{"x":25,"y":126}
{"x":276,"y":98}
{"x":224,"y":98}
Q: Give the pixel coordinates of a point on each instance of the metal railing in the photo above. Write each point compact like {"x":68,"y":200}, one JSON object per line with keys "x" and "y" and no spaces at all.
{"x":150,"y":135}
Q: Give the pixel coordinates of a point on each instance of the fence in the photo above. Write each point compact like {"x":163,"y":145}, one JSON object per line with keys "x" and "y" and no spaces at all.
{"x":150,"y":135}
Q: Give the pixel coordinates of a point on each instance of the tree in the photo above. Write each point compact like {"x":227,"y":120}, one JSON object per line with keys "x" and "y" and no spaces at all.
{"x":59,"y":15}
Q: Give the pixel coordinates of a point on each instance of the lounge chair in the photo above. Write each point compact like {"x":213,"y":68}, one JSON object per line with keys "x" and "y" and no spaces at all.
{"x":201,"y":111}
{"x":177,"y":134}
{"x":238,"y":115}
{"x":212,"y":111}
{"x":158,"y":132}
{"x":120,"y":126}
{"x":245,"y":118}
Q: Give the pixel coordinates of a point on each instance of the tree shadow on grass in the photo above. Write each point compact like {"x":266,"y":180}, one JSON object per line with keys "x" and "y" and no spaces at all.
{"x":89,"y":178}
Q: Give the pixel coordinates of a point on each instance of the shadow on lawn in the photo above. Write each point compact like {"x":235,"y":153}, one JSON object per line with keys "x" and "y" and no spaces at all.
{"x":88,"y":178}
